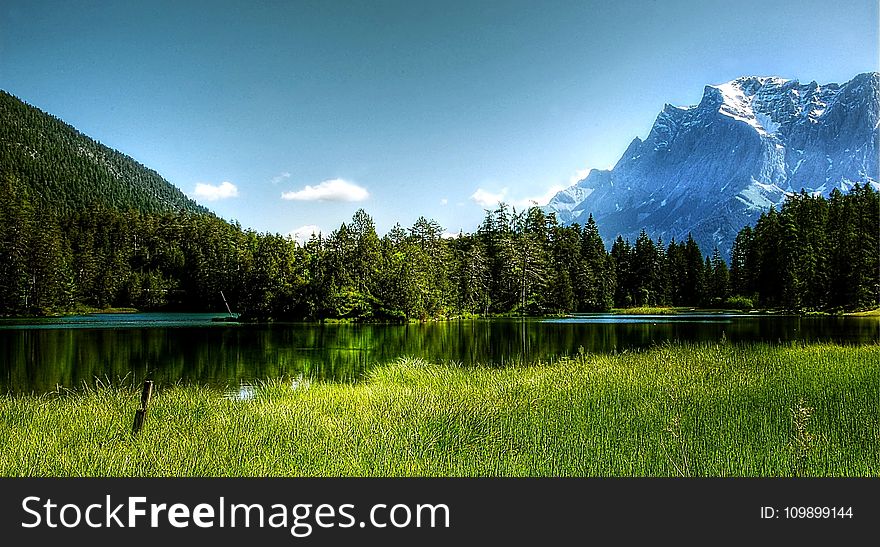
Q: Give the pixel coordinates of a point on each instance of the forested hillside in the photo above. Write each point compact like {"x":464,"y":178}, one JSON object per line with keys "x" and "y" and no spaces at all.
{"x":814,"y":254}
{"x":66,"y":171}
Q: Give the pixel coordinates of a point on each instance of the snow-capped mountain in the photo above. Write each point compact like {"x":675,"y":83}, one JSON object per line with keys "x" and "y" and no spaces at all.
{"x":712,"y":168}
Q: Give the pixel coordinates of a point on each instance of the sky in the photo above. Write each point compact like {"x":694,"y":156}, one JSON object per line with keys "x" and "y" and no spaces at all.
{"x":288,"y":116}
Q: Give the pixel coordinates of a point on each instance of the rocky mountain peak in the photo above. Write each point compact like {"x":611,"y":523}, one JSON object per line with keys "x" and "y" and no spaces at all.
{"x":711,"y":168}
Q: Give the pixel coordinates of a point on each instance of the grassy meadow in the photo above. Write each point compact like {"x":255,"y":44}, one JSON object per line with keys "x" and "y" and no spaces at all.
{"x":674,"y":410}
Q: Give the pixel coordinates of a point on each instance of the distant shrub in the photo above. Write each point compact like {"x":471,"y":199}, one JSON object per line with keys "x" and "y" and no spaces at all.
{"x":740,"y":302}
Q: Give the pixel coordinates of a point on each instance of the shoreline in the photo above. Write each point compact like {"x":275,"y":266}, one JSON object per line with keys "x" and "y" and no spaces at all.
{"x":648,"y":311}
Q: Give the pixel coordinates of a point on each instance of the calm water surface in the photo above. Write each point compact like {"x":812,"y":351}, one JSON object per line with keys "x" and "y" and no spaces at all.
{"x":39,"y":355}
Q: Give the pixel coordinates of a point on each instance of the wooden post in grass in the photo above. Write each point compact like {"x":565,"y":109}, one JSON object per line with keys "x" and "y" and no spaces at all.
{"x":141,"y":414}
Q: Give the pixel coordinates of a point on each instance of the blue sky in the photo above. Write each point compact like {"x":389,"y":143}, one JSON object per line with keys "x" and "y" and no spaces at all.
{"x":402,"y":108}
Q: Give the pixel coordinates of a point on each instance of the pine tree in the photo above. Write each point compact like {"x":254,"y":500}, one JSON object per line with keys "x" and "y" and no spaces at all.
{"x":51,"y":281}
{"x":693,"y":281}
{"x":530,"y":265}
{"x":565,"y":259}
{"x":596,"y":276}
{"x":866,"y":259}
{"x":646,"y":272}
{"x":471,"y":275}
{"x":16,"y":235}
{"x":742,"y":264}
{"x":719,"y":285}
{"x":769,"y":274}
{"x":622,"y":258}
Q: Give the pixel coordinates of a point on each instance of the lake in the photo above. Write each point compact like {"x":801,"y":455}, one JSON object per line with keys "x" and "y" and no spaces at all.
{"x":39,"y":355}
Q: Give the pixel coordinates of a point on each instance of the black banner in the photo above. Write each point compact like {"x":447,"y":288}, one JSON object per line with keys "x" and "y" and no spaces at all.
{"x":141,"y":511}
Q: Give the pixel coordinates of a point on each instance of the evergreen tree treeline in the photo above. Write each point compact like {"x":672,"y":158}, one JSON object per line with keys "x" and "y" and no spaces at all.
{"x":814,"y":253}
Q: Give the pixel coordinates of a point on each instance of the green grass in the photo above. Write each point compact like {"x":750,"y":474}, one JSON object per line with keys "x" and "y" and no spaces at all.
{"x":646,"y":310}
{"x":707,"y":410}
{"x":867,"y":313}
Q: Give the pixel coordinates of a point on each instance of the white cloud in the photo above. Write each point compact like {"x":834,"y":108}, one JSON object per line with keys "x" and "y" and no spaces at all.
{"x":543,"y":199}
{"x":329,"y":190}
{"x":209,"y":192}
{"x":304,"y":233}
{"x":487,"y":199}
{"x":444,"y":201}
{"x":578,"y":176}
{"x":280,"y":176}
